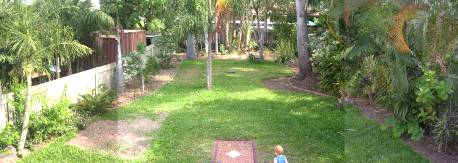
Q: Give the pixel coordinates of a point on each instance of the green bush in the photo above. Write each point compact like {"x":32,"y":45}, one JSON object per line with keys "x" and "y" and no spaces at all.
{"x":9,"y":136}
{"x":96,"y":103}
{"x":81,"y":119}
{"x":51,"y":121}
{"x":251,"y":58}
{"x":223,"y":49}
{"x":285,"y":53}
{"x":165,"y":59}
{"x":151,"y":67}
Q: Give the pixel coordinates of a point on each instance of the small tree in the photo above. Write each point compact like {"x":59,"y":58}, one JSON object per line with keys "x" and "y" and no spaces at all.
{"x":29,"y":40}
{"x":134,"y":65}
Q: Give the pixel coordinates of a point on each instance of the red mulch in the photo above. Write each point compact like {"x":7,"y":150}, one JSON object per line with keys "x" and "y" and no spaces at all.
{"x":246,"y":148}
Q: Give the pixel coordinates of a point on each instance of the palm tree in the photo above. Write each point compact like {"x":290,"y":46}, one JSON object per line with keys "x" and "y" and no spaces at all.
{"x":305,"y":67}
{"x":79,"y":16}
{"x":30,"y":41}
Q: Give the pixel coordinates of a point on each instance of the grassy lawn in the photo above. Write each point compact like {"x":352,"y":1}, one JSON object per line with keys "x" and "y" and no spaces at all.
{"x":310,"y":128}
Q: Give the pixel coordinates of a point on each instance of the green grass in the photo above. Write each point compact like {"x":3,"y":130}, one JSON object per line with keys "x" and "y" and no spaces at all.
{"x":310,"y":128}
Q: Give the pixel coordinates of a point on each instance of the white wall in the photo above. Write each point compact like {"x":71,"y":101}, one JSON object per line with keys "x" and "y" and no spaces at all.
{"x":75,"y":85}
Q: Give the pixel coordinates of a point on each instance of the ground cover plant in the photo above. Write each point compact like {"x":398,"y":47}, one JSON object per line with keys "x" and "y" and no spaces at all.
{"x":311,"y":128}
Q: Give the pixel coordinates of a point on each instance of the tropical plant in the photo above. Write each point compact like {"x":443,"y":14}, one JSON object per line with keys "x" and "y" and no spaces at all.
{"x":9,"y":136}
{"x":285,"y":53}
{"x":29,"y":40}
{"x":55,"y":119}
{"x":97,"y":102}
{"x":416,"y":39}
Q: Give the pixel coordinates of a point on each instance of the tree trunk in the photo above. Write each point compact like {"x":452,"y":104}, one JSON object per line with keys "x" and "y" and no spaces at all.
{"x":226,"y":36}
{"x":28,"y":107}
{"x":57,"y":67}
{"x":1,"y":100}
{"x":305,"y":68}
{"x":191,"y":49}
{"x":241,"y":31}
{"x":70,"y":70}
{"x":209,"y":61}
{"x":259,"y":36}
{"x":216,"y":43}
{"x":119,"y":68}
{"x":208,"y":53}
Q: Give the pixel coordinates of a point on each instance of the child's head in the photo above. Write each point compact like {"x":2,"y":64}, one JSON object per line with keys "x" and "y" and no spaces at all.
{"x":278,"y":150}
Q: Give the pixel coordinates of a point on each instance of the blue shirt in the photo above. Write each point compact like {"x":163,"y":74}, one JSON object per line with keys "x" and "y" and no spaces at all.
{"x":280,"y":159}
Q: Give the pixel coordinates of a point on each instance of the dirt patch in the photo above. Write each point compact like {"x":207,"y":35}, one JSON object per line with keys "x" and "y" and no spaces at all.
{"x":234,"y":151}
{"x":152,"y":83}
{"x":288,"y":84}
{"x":127,"y":139}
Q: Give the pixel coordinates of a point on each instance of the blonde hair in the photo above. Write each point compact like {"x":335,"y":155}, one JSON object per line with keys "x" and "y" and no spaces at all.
{"x":278,"y":149}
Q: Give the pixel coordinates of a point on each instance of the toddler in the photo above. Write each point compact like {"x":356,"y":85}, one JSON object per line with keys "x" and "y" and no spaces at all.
{"x":279,"y":157}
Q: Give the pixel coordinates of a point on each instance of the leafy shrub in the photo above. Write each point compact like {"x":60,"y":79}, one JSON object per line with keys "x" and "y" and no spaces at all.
{"x":133,"y":63}
{"x":151,"y":67}
{"x":51,"y":121}
{"x":285,"y":53}
{"x":96,"y":103}
{"x":223,"y":49}
{"x":251,"y":58}
{"x":430,"y":93}
{"x":81,"y":119}
{"x":9,"y":136}
{"x":399,"y":127}
{"x":165,"y":59}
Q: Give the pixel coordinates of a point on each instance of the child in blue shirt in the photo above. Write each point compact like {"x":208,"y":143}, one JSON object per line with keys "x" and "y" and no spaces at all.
{"x":279,"y":157}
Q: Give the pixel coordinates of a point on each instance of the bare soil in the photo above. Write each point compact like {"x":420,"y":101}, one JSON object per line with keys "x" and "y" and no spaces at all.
{"x":425,"y":147}
{"x":152,"y":83}
{"x":127,"y":139}
{"x":246,"y":149}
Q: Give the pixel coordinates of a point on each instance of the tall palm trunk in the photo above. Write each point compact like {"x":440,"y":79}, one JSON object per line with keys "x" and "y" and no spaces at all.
{"x":119,"y":68}
{"x":190,"y":49}
{"x":208,"y":53}
{"x":28,"y":106}
{"x":305,"y":68}
{"x":58,"y":67}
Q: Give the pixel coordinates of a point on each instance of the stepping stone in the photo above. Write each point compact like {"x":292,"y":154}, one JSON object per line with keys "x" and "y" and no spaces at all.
{"x":234,"y":151}
{"x":231,"y":71}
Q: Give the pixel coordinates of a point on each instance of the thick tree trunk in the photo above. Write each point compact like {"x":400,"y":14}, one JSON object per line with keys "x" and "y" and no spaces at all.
{"x":28,"y":107}
{"x":119,"y":68}
{"x":58,"y":67}
{"x":305,"y":68}
{"x":216,"y":43}
{"x":70,"y":70}
{"x":190,"y":49}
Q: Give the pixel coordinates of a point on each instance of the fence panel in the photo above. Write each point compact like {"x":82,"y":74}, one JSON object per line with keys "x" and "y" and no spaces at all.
{"x":74,"y":85}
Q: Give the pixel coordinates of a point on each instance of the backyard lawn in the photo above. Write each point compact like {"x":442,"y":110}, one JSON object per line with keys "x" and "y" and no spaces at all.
{"x":310,"y":128}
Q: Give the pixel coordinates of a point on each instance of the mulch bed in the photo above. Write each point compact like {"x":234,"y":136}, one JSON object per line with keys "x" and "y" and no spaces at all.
{"x":426,"y":147}
{"x":234,"y":151}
